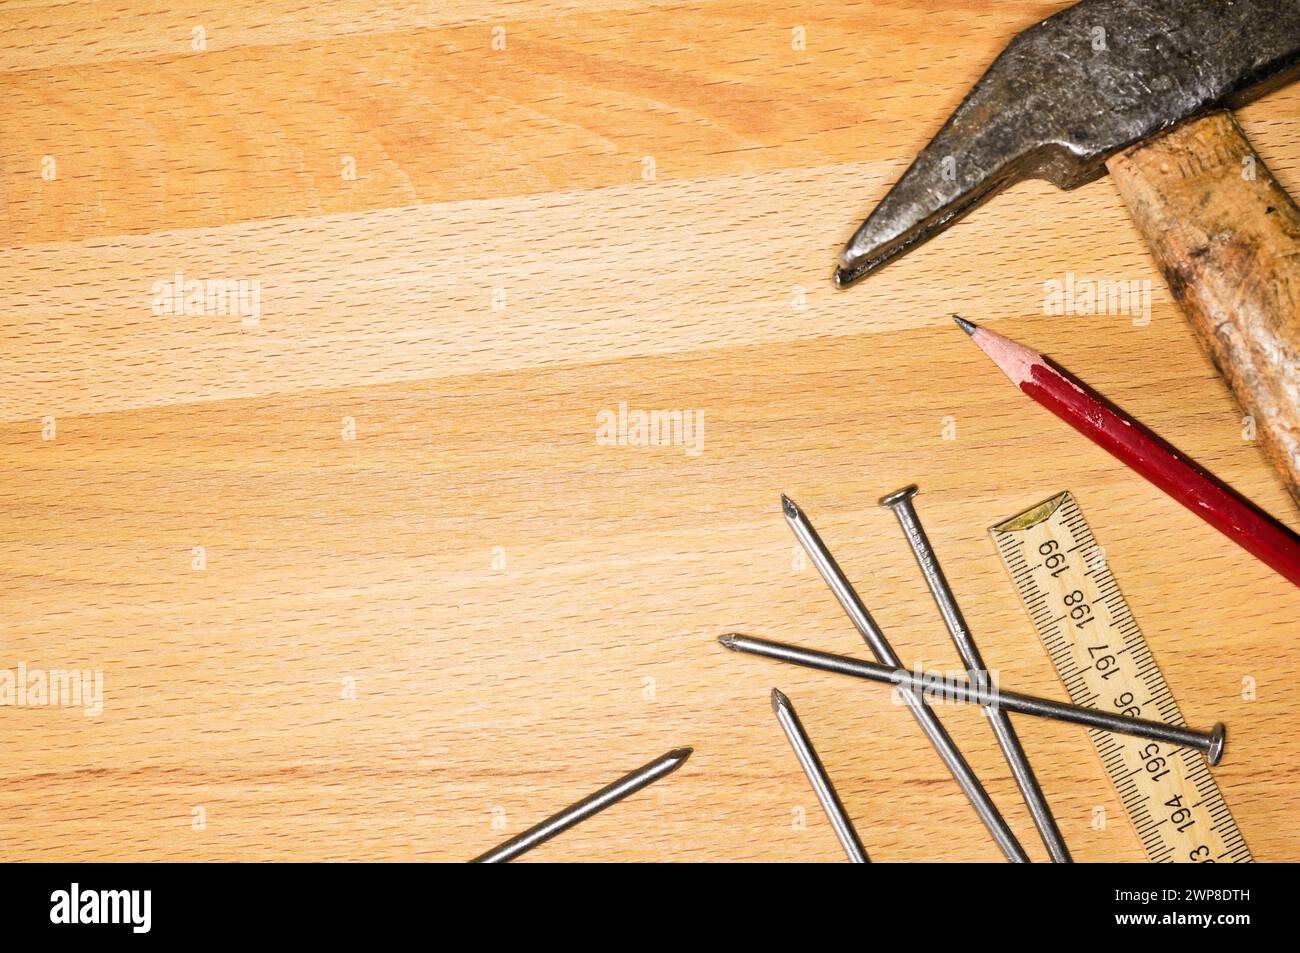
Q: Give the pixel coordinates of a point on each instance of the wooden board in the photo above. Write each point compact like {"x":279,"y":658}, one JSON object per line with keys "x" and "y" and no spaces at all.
{"x":521,"y":611}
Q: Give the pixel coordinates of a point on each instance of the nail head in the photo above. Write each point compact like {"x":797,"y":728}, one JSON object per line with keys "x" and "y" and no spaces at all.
{"x":898,"y":496}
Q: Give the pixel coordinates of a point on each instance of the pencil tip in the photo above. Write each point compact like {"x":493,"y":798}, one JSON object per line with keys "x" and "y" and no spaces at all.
{"x":965,"y":325}
{"x":790,"y":508}
{"x":779,"y":700}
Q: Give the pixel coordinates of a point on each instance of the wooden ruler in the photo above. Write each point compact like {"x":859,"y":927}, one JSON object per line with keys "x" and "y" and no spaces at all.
{"x":1104,"y":662}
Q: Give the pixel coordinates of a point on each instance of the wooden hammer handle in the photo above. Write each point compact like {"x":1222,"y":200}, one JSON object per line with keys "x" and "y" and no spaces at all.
{"x":1227,"y":238}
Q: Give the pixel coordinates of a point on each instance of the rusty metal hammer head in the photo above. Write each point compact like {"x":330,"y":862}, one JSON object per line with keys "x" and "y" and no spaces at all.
{"x":1070,"y":92}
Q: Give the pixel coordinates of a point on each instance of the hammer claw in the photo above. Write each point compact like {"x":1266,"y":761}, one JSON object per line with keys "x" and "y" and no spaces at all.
{"x":1072,"y":91}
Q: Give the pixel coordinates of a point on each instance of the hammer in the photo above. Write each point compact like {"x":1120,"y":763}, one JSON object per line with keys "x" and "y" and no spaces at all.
{"x":1141,"y":89}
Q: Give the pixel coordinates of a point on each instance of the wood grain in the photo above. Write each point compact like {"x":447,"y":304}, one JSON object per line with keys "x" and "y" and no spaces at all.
{"x":522,"y":612}
{"x":1227,"y":238}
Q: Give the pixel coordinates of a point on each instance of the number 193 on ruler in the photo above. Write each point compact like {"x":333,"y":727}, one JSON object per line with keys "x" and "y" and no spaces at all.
{"x":1104,"y":662}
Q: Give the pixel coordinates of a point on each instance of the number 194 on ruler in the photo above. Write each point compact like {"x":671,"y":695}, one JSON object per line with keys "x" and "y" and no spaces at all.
{"x":1104,"y":662}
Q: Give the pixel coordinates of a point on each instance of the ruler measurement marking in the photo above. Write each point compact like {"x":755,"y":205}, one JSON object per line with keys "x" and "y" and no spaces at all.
{"x":1103,"y":655}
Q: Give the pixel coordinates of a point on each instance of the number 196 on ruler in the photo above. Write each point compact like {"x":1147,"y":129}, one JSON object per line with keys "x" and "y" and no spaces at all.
{"x":1104,"y":662}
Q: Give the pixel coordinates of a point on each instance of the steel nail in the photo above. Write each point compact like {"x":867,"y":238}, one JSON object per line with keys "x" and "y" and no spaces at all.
{"x":821,"y":782}
{"x":1209,"y":743}
{"x":589,"y":805}
{"x":902,"y":506}
{"x":929,"y":721}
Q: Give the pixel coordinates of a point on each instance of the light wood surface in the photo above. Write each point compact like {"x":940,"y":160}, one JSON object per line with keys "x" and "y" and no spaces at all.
{"x":525,"y":613}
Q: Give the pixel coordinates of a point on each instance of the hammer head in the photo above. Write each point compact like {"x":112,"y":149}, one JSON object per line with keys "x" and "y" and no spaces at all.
{"x":1072,"y":91}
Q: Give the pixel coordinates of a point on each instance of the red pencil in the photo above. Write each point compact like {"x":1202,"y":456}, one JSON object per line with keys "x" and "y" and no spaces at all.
{"x":1115,"y":431}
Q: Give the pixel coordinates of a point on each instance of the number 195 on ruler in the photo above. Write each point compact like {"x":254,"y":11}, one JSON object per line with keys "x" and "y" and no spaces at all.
{"x":1104,"y":662}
